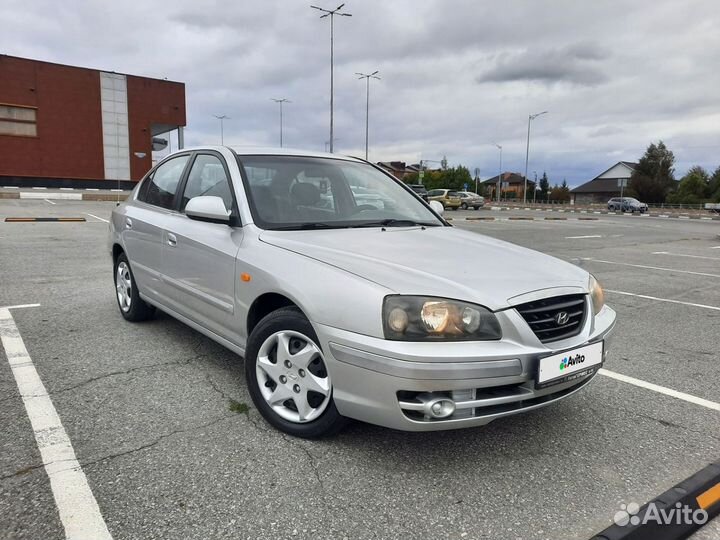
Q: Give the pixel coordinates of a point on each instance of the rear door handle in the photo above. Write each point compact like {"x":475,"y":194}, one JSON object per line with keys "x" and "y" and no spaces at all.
{"x":128,"y":223}
{"x":171,"y":240}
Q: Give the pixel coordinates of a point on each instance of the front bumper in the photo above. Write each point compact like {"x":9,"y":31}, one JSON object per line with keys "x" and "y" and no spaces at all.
{"x":386,"y":382}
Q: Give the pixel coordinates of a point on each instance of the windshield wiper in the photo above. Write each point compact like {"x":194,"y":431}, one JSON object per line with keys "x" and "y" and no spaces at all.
{"x":308,"y":226}
{"x":392,"y":222}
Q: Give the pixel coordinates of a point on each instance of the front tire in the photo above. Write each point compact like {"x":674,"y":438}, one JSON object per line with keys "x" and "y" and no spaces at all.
{"x":287,"y":376}
{"x":132,"y":307}
{"x":464,"y":206}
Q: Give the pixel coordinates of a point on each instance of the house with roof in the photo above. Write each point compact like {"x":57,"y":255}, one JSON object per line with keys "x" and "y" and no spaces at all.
{"x":515,"y":186}
{"x":604,"y":186}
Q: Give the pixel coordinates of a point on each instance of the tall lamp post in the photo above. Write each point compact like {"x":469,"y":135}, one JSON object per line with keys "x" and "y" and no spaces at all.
{"x":281,"y":101}
{"x":499,"y":173}
{"x":531,"y":117}
{"x":367,"y":78}
{"x":222,"y":134}
{"x":332,"y":13}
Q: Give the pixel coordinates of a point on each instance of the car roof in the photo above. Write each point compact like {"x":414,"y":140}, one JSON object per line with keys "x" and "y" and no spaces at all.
{"x":273,"y":151}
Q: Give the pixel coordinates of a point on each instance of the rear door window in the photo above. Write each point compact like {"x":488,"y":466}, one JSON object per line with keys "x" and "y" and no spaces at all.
{"x":164,"y":182}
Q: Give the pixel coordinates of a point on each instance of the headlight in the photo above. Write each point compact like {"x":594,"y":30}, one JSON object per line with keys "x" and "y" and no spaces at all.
{"x":596,"y":295}
{"x":422,"y":318}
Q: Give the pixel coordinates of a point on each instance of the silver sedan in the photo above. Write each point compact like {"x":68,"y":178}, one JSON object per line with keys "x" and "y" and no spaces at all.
{"x":341,"y":308}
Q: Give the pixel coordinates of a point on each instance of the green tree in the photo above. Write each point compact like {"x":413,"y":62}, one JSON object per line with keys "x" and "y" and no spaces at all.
{"x":560,"y":193}
{"x":654,"y":178}
{"x":544,"y":186}
{"x":694,"y":187}
{"x":714,"y":186}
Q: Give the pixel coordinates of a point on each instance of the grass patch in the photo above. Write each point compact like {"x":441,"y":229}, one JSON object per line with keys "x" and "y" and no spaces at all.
{"x":236,"y":406}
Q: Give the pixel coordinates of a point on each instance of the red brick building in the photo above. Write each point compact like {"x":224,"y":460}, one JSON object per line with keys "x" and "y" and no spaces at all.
{"x":75,"y":127}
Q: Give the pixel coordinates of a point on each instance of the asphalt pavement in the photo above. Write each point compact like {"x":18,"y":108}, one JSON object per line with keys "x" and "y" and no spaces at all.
{"x":165,"y":432}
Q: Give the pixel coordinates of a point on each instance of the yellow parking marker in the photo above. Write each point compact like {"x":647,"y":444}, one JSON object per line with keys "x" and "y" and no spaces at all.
{"x":709,"y":498}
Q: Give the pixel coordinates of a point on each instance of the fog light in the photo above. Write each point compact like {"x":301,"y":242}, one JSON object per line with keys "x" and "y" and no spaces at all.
{"x":440,"y":408}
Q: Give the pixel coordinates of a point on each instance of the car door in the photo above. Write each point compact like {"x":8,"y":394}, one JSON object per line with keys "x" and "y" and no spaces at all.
{"x":199,"y":256}
{"x":143,"y":224}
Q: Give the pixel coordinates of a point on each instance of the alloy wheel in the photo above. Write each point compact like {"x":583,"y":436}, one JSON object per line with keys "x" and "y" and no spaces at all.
{"x":123,"y":286}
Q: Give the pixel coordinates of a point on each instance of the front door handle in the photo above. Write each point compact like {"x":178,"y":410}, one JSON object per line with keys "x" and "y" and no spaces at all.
{"x":171,"y":240}
{"x":128,"y":223}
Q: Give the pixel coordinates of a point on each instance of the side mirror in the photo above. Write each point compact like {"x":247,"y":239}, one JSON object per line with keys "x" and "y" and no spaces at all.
{"x":437,"y":206}
{"x":207,"y":208}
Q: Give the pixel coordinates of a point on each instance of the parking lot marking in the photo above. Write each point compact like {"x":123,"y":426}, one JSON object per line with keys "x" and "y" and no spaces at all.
{"x":684,"y":255}
{"x":584,"y":236}
{"x":651,"y":267}
{"x":77,"y":507}
{"x":661,"y":389}
{"x":704,"y":306}
{"x":48,"y":201}
{"x":96,"y":217}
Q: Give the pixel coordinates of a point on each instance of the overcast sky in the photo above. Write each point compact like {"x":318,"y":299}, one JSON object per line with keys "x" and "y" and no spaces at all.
{"x":457,"y":76}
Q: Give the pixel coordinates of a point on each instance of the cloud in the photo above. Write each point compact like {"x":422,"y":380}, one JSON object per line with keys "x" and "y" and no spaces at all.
{"x":456,"y":77}
{"x":576,"y":64}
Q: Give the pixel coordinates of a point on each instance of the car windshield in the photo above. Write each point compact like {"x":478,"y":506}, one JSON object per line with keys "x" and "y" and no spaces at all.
{"x":292,"y":192}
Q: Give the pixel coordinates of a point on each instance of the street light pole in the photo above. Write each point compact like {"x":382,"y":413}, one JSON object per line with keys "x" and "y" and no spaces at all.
{"x":222,"y":134}
{"x":531,"y":117}
{"x":499,"y":173}
{"x":332,"y":13}
{"x":281,"y":101}
{"x":367,"y":104}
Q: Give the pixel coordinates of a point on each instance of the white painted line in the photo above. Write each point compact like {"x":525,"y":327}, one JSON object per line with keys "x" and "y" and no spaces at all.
{"x":116,"y":190}
{"x":20,"y":306}
{"x":596,"y":212}
{"x":661,"y":389}
{"x":684,"y":255}
{"x":77,"y":507}
{"x":67,"y":188}
{"x":651,"y":267}
{"x":39,"y":188}
{"x":584,"y":236}
{"x":56,"y":196}
{"x":96,"y":217}
{"x":92,"y":189}
{"x":11,"y":187}
{"x":47,"y":201}
{"x":704,"y":306}
{"x":715,"y":247}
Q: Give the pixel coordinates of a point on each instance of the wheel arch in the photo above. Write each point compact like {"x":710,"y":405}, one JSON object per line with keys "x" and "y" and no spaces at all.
{"x":265,"y":304}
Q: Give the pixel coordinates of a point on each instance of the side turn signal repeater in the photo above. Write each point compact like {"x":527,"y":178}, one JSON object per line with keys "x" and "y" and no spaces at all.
{"x":245,"y":276}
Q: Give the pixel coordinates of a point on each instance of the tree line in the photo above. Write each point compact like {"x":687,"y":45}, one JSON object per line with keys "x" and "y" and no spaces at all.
{"x":653,"y":180}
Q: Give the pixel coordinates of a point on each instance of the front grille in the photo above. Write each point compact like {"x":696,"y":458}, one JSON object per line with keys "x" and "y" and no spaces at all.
{"x":541,"y":315}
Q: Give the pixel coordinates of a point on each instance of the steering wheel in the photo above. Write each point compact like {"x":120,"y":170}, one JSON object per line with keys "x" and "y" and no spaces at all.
{"x":362,"y":207}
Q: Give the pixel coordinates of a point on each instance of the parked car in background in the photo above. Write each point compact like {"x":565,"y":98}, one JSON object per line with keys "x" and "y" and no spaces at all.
{"x":627,"y":204}
{"x":447,"y":197}
{"x":420,"y":190}
{"x":342,"y":309}
{"x":470,"y":200}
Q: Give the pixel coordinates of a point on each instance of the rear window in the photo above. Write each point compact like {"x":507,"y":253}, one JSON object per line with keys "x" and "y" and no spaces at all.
{"x":452,"y":194}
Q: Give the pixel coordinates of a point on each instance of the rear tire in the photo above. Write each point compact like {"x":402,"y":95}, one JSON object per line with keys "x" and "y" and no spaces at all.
{"x":284,"y":364}
{"x":132,"y":307}
{"x":464,"y":206}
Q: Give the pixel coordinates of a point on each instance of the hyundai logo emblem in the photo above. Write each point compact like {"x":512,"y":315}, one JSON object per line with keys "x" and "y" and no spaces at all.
{"x":562,"y":318}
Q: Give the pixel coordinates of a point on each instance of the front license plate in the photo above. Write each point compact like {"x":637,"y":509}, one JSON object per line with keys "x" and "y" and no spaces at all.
{"x":569,"y":365}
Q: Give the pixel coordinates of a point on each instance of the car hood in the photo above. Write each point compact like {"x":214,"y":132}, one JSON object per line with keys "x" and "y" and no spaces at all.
{"x":436,"y":261}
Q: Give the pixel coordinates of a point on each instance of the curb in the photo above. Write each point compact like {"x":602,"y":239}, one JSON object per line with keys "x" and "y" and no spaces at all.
{"x":481,"y":218}
{"x":699,"y":492}
{"x":588,"y":218}
{"x":519,"y":218}
{"x":556,"y":218}
{"x":43,"y":219}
